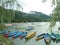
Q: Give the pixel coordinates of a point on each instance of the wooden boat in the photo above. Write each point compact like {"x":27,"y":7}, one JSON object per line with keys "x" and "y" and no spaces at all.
{"x":47,"y":38}
{"x":30,"y":35}
{"x":39,"y":37}
{"x":17,"y":35}
{"x":23,"y":35}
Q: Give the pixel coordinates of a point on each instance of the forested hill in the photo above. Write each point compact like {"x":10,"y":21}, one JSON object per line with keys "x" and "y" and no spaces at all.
{"x":33,"y":16}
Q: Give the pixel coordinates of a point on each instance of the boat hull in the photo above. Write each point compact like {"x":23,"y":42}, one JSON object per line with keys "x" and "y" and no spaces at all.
{"x":17,"y":35}
{"x":39,"y":38}
{"x":30,"y":35}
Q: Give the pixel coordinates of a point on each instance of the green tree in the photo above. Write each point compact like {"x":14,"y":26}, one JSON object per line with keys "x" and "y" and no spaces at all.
{"x":8,"y":14}
{"x":55,"y":13}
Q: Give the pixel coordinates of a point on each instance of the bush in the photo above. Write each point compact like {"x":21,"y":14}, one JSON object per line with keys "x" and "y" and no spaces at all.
{"x":2,"y":27}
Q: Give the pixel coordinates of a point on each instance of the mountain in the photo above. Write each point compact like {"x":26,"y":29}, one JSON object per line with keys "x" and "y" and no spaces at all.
{"x":33,"y":16}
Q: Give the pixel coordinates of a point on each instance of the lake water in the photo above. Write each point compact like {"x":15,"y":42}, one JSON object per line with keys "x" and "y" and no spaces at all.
{"x":39,"y":28}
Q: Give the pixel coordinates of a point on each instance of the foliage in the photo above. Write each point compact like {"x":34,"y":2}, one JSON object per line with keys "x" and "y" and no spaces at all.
{"x":4,"y":40}
{"x":55,"y":13}
{"x":2,"y":27}
{"x":7,"y":14}
{"x":30,"y":17}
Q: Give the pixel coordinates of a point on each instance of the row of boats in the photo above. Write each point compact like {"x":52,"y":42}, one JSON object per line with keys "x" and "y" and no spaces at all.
{"x":16,"y":34}
{"x":46,"y":36}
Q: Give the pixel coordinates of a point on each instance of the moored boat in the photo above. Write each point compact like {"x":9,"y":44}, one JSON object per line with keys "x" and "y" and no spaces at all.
{"x":11,"y":34}
{"x":17,"y":35}
{"x":5,"y":32}
{"x":23,"y":35}
{"x":1,"y":32}
{"x":39,"y":37}
{"x":47,"y":38}
{"x":32,"y":34}
{"x":53,"y":36}
{"x":29,"y":28}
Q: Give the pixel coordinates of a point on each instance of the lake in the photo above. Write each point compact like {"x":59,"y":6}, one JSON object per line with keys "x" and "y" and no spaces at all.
{"x":39,"y":28}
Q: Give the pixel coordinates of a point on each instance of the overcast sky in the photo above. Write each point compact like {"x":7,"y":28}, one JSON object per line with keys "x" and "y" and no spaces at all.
{"x":36,"y":5}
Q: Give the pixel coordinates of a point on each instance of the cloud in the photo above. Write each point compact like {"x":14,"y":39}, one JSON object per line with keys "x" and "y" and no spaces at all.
{"x":37,"y":5}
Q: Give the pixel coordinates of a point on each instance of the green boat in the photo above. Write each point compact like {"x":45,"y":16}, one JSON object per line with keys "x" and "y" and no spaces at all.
{"x":57,"y":37}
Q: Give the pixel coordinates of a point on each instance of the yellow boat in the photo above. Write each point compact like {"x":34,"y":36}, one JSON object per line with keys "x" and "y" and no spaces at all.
{"x":30,"y":35}
{"x":39,"y":38}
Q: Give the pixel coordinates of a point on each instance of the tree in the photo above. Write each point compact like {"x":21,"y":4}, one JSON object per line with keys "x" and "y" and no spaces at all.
{"x":55,"y":13}
{"x":8,"y":14}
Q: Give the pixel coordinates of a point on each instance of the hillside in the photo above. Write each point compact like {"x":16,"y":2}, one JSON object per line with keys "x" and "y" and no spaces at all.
{"x":33,"y":16}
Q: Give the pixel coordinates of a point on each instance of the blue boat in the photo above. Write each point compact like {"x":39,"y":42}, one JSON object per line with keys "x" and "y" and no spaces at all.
{"x":47,"y":38}
{"x":17,"y":35}
{"x":6,"y":32}
{"x":29,"y":28}
{"x":23,"y":34}
{"x":41,"y":35}
{"x":53,"y":36}
{"x":57,"y":38}
{"x":1,"y":32}
{"x":11,"y":34}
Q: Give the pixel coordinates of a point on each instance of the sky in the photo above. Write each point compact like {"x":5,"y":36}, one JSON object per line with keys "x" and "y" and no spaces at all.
{"x":36,"y":5}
